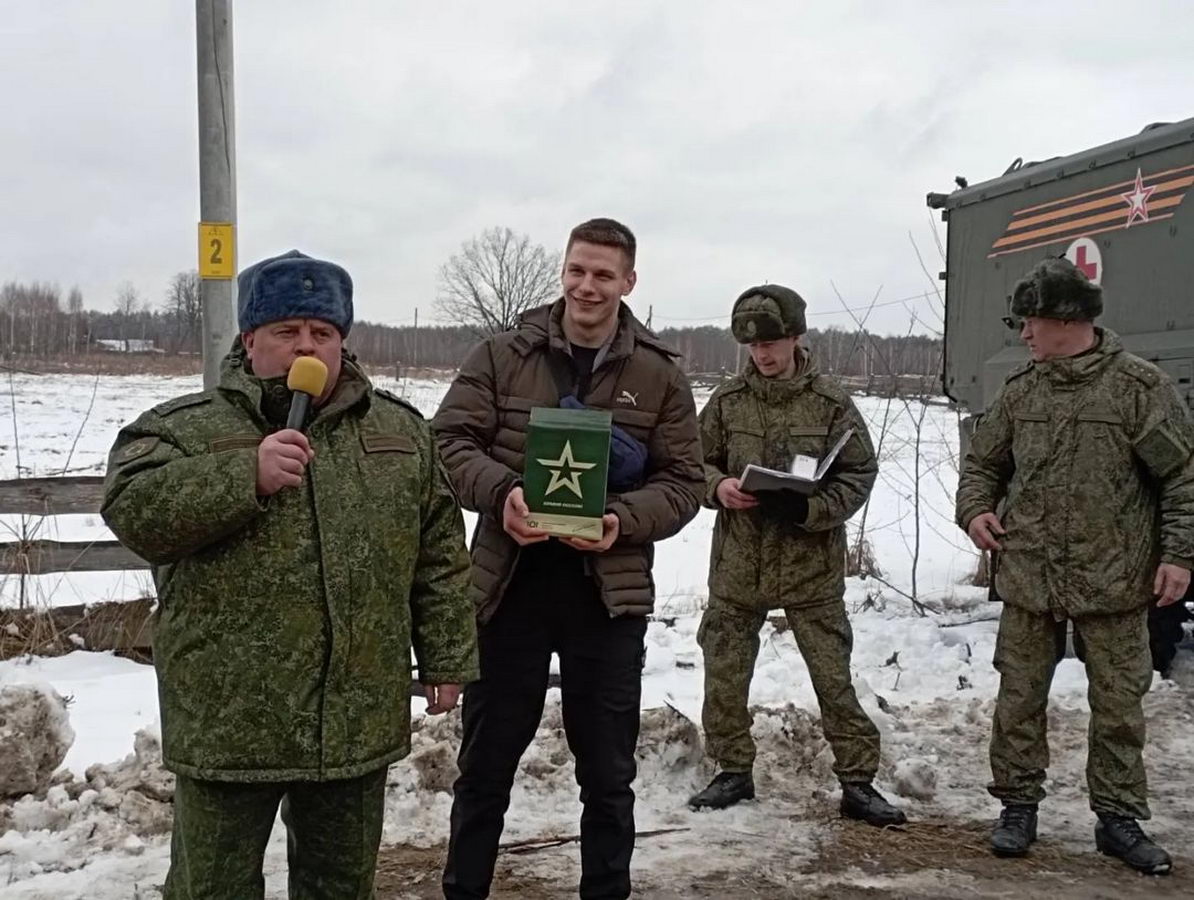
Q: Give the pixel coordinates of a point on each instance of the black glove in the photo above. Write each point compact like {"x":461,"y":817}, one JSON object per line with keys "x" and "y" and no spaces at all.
{"x":790,"y":506}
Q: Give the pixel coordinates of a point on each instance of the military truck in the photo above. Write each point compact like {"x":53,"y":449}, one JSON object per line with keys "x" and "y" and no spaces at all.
{"x":1119,"y":212}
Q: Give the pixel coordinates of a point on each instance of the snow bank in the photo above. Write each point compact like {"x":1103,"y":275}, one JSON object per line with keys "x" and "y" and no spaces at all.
{"x":35,"y":735}
{"x":116,"y":808}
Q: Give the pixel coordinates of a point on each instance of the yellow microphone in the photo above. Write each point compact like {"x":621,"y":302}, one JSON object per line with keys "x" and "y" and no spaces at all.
{"x":306,"y":378}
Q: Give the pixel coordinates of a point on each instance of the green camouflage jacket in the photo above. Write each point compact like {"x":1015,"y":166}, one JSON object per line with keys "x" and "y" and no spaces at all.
{"x":284,"y":628}
{"x":1090,"y":456}
{"x":760,"y":556}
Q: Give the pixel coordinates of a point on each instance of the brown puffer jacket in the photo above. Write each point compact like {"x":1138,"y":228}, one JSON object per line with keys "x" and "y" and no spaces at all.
{"x":482,"y":423}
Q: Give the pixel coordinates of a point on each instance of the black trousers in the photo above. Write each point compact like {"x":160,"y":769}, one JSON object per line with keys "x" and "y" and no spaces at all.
{"x":545,"y":609}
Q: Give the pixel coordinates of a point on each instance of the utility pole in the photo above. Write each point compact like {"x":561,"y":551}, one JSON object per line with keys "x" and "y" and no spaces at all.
{"x":650,"y":313}
{"x":416,"y":338}
{"x":217,"y":183}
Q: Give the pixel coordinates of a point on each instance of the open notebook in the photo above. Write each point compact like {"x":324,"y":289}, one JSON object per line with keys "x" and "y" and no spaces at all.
{"x":803,"y":476}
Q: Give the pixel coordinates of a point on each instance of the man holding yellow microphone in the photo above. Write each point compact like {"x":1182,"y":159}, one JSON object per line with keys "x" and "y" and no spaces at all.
{"x":303,"y":538}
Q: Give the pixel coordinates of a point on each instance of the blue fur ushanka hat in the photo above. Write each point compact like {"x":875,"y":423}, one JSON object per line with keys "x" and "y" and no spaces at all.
{"x":294,"y":286}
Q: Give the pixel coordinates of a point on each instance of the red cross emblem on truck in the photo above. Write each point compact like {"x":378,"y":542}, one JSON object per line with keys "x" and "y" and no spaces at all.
{"x":1084,"y":254}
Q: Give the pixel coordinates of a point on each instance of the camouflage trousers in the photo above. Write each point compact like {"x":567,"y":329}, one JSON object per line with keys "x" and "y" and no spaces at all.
{"x":1119,"y":672}
{"x":221,"y":830}
{"x":729,"y":638}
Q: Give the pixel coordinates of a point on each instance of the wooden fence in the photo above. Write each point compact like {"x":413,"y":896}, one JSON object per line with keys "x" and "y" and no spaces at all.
{"x":121,"y":626}
{"x":124,"y":626}
{"x":59,"y":497}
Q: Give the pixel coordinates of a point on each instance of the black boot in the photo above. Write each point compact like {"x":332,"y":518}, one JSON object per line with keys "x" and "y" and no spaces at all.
{"x":1122,"y":837}
{"x":861,"y":801}
{"x":1015,"y":830}
{"x":726,"y":789}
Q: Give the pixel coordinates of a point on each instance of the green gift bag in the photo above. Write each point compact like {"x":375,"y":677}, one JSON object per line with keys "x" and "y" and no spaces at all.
{"x":567,"y":462}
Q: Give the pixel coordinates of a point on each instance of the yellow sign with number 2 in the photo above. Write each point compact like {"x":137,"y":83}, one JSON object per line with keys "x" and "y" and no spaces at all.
{"x":217,"y":250}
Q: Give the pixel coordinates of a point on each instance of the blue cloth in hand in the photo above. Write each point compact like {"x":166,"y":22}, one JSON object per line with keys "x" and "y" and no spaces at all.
{"x":627,"y":456}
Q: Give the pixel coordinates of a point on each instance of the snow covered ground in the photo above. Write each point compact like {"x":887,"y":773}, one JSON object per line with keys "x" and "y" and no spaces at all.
{"x":926,"y":680}
{"x":64,"y":424}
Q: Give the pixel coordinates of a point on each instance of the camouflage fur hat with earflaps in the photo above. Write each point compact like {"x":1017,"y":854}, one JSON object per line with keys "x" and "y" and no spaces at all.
{"x":768,"y":312}
{"x":1057,"y":289}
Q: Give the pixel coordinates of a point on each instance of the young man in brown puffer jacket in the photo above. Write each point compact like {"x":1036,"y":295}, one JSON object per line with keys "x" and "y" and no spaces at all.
{"x":587,"y":601}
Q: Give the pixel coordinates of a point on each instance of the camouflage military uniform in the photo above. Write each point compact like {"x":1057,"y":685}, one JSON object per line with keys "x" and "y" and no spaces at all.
{"x":285,"y":625}
{"x":762,"y":560}
{"x":1090,"y":455}
{"x":221,"y":830}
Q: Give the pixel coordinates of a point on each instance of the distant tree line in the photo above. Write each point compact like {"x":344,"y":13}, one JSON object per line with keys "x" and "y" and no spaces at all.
{"x":708,"y":348}
{"x":38,"y":321}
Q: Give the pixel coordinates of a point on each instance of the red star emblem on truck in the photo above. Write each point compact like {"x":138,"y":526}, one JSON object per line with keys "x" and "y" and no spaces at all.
{"x":1150,"y":198}
{"x":1137,"y":201}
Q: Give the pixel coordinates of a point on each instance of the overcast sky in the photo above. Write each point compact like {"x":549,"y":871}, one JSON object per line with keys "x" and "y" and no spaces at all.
{"x":742,"y":142}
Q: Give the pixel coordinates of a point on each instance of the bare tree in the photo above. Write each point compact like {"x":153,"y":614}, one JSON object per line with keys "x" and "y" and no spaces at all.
{"x":184,"y":308}
{"x":127,"y":302}
{"x":494,"y":278}
{"x":74,"y":310}
{"x":145,"y":314}
{"x":127,"y":299}
{"x":10,"y":299}
{"x":33,"y":316}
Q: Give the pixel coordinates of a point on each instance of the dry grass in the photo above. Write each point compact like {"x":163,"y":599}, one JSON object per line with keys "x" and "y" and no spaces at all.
{"x":166,"y":364}
{"x":861,"y":560}
{"x":117,"y":625}
{"x":956,"y":850}
{"x":107,"y":364}
{"x":413,"y":873}
{"x":962,"y":848}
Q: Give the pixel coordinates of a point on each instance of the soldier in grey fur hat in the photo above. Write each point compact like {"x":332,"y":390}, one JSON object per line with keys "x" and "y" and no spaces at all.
{"x":1057,"y":289}
{"x":1079,"y":476}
